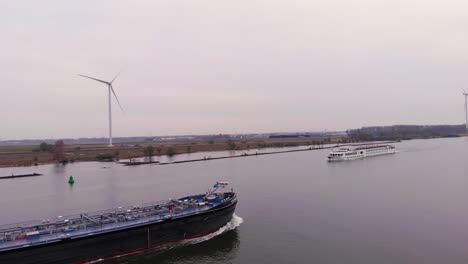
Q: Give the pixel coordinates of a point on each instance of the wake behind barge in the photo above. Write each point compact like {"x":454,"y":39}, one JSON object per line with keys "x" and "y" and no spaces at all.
{"x":120,"y":231}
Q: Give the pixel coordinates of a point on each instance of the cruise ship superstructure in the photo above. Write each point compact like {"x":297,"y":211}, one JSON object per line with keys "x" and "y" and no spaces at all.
{"x":359,"y":152}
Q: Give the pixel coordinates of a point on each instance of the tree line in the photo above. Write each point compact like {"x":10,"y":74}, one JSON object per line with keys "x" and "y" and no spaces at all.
{"x":405,"y":132}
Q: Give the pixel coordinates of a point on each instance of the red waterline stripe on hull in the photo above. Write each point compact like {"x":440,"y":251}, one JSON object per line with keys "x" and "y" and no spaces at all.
{"x":133,"y":251}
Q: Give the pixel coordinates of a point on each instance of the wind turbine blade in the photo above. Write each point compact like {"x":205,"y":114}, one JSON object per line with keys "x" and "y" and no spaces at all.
{"x":93,"y":79}
{"x":112,"y":89}
{"x":115,"y":77}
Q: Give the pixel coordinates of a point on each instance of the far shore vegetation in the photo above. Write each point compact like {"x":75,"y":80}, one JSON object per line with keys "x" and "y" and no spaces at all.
{"x":61,"y":153}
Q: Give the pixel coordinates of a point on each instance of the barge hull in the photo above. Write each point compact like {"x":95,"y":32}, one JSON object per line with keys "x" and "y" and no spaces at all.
{"x":123,"y":242}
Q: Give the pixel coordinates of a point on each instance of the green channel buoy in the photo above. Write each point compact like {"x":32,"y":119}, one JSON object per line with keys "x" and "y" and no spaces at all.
{"x":71,"y":180}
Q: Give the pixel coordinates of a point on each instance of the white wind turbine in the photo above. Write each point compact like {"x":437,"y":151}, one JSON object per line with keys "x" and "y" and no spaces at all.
{"x":466,"y":109}
{"x":110,"y":89}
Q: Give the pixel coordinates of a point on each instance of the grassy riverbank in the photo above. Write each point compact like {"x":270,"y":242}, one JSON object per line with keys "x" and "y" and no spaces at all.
{"x":27,"y":155}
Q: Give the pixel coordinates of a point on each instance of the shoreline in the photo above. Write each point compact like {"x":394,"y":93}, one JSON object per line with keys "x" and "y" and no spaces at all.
{"x":23,"y":156}
{"x":131,"y":162}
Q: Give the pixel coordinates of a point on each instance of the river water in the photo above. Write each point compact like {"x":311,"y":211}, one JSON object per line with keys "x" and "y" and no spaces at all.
{"x":410,"y":207}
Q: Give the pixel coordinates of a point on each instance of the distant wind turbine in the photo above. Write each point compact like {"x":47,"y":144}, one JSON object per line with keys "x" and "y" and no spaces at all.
{"x":110,"y":89}
{"x":466,"y":109}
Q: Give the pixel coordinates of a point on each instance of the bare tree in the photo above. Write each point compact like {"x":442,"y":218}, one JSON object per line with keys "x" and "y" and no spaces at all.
{"x":58,"y":150}
{"x":149,"y":152}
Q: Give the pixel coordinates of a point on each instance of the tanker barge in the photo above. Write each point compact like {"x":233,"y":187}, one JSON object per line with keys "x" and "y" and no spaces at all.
{"x":90,"y":237}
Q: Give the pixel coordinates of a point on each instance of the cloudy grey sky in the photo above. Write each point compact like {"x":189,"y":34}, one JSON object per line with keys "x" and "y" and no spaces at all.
{"x":191,"y":67}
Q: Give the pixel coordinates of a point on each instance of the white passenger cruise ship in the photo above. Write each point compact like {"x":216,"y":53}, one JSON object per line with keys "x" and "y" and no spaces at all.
{"x":356,"y":152}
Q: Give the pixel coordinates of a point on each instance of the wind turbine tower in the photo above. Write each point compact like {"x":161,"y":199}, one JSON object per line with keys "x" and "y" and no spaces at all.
{"x":110,"y":90}
{"x":466,"y":109}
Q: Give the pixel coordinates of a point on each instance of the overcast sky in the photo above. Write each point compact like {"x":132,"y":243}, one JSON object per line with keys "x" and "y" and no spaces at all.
{"x":197,"y":67}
